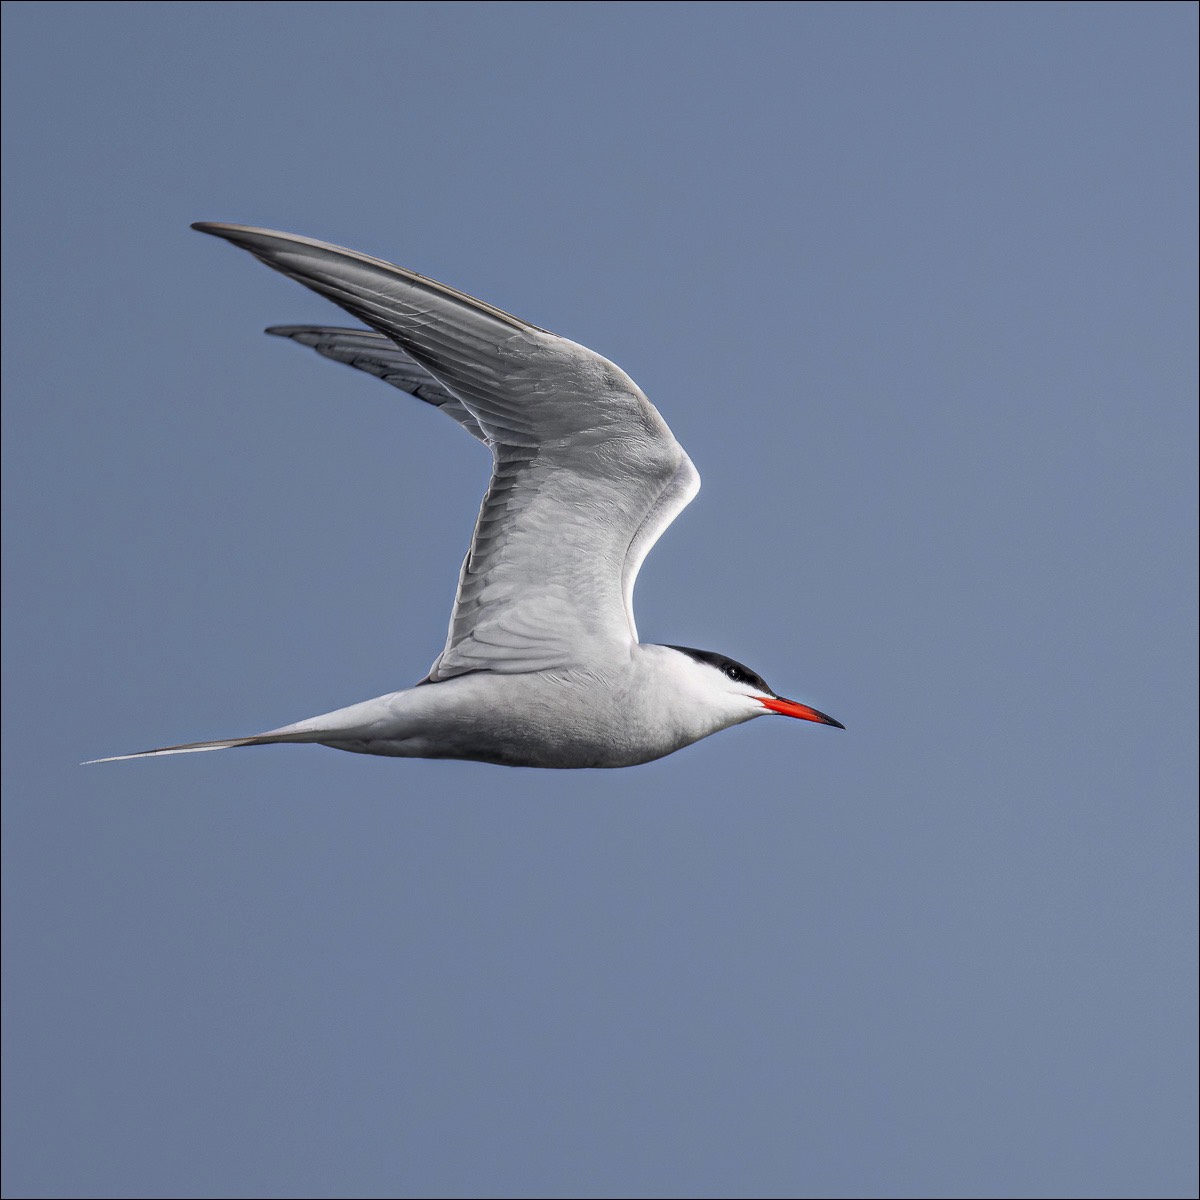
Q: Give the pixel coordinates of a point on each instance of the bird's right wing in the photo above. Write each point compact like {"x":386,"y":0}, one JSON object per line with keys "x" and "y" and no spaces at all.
{"x":585,"y":477}
{"x":380,"y":356}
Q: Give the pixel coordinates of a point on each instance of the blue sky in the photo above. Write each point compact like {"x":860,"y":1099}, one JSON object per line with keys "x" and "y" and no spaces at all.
{"x":915,"y":286}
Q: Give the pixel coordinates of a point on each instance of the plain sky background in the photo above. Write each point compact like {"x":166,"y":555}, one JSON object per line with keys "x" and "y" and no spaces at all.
{"x":915,"y":286}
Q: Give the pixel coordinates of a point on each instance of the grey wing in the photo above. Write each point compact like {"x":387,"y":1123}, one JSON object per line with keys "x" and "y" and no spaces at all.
{"x":380,"y":356}
{"x":674,"y":498}
{"x":586,"y":474}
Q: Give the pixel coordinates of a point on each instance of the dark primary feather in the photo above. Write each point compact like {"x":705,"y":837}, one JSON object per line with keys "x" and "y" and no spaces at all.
{"x":380,"y":356}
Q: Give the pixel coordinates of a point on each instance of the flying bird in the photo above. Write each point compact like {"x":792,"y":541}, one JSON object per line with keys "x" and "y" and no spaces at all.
{"x":542,"y":666}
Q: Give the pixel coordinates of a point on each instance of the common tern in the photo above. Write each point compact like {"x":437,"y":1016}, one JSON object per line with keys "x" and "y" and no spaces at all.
{"x":542,"y":666}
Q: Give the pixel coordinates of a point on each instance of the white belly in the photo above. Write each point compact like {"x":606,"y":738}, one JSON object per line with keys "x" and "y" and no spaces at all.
{"x":547,"y":719}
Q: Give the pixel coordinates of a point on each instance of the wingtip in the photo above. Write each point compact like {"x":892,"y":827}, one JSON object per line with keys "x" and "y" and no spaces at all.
{"x":223,"y":228}
{"x":239,"y":234}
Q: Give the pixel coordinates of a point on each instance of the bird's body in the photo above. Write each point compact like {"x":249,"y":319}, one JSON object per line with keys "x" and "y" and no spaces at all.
{"x":598,"y":715}
{"x":542,"y":665}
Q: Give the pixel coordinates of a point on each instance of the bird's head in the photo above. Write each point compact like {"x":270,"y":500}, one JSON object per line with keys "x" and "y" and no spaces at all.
{"x":741,"y":693}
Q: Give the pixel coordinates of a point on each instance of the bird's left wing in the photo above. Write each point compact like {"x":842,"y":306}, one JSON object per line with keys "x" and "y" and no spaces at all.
{"x":586,"y":474}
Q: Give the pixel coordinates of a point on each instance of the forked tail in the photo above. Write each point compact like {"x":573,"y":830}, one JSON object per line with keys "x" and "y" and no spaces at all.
{"x":351,"y":724}
{"x":261,"y":739}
